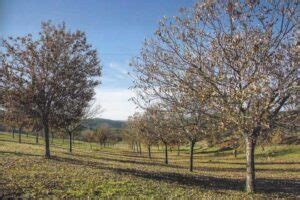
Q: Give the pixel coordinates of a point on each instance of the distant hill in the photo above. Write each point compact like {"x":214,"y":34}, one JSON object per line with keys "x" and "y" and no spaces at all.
{"x":96,"y":122}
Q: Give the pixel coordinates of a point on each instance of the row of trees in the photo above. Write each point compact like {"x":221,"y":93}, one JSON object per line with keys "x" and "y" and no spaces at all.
{"x":223,"y":69}
{"x":153,"y":128}
{"x":47,"y":82}
{"x":103,"y":135}
{"x":33,"y":128}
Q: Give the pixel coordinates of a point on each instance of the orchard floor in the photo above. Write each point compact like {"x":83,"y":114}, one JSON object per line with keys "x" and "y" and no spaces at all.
{"x":118,"y":173}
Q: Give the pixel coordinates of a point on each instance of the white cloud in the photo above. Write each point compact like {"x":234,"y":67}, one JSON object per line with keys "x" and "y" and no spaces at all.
{"x":115,"y":103}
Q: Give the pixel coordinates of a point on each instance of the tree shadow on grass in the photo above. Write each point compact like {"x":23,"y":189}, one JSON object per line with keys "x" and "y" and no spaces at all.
{"x":129,"y":161}
{"x":256,"y":163}
{"x":84,"y":163}
{"x":282,"y":188}
{"x":17,"y":142}
{"x":125,"y":154}
{"x":18,"y":153}
{"x":214,"y":169}
{"x":188,"y":180}
{"x":204,"y":168}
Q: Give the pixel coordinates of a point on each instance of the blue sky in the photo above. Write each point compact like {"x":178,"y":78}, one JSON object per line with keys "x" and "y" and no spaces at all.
{"x":116,"y":28}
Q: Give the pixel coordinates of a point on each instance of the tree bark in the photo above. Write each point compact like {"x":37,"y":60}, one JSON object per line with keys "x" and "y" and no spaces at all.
{"x":70,"y":142}
{"x":166,"y":154}
{"x":46,"y":135}
{"x":13,"y":133}
{"x":250,"y":177}
{"x":149,"y":151}
{"x":37,"y":137}
{"x":20,"y":135}
{"x":135,"y":147}
{"x":140,"y":147}
{"x":192,"y":155}
{"x":235,"y":153}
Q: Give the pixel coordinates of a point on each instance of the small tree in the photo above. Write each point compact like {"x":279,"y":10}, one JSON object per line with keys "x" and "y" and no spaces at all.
{"x":74,"y":115}
{"x":89,"y":136}
{"x":142,"y":126}
{"x":102,"y":134}
{"x":147,"y":133}
{"x":163,"y":126}
{"x":133,"y":132}
{"x":15,"y":118}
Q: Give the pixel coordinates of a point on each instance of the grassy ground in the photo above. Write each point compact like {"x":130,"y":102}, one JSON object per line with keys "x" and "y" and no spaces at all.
{"x":117,"y":172}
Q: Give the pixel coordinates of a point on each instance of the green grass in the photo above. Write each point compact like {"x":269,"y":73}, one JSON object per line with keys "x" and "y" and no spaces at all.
{"x":117,"y":172}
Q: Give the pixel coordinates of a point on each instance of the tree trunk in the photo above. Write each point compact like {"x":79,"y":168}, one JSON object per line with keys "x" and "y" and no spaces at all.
{"x":20,"y":135}
{"x":192,"y":155}
{"x":37,"y":137}
{"x":135,"y":148}
{"x":235,"y":153}
{"x":149,"y":151}
{"x":166,"y":154}
{"x":140,"y":147}
{"x":13,"y":133}
{"x":70,"y":142}
{"x":46,"y":135}
{"x":27,"y":134}
{"x":250,"y":178}
{"x":178,"y":150}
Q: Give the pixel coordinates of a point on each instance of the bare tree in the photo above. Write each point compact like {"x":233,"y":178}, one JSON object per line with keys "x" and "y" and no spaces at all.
{"x":142,"y":126}
{"x":241,"y":54}
{"x":89,"y":136}
{"x":133,"y":132}
{"x":102,"y":134}
{"x":148,"y":135}
{"x":163,"y":126}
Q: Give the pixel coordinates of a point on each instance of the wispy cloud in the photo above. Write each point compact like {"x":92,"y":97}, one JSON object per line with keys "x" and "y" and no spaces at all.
{"x":113,"y":95}
{"x":121,"y":69}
